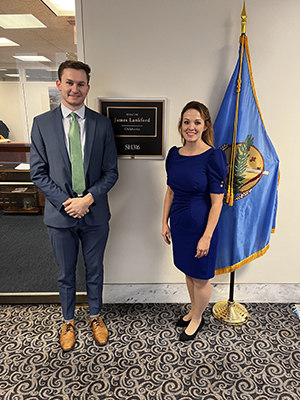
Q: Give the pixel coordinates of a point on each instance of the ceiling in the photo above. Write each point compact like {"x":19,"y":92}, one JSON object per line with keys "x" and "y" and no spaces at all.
{"x":53,"y":42}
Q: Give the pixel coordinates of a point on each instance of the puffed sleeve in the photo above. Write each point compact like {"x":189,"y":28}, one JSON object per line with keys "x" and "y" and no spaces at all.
{"x":169,"y":158}
{"x":217,"y":170}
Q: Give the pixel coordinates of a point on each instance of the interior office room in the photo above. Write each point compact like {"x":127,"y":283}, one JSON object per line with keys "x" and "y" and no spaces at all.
{"x":177,"y":51}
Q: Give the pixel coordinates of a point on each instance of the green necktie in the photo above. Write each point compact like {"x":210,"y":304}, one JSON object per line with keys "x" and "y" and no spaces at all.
{"x":78,"y":181}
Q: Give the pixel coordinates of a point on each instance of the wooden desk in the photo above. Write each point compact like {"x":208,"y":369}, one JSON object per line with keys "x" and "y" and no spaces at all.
{"x":17,"y":193}
{"x":14,"y":152}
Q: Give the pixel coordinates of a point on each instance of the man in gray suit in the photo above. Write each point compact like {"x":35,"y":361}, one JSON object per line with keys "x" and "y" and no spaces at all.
{"x":73,"y":217}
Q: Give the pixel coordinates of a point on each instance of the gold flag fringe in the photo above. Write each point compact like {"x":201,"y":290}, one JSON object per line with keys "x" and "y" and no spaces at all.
{"x":255,"y":96}
{"x":247,"y":260}
{"x":251,"y":78}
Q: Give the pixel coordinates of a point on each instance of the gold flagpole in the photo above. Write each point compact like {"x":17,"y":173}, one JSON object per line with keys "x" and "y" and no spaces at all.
{"x":230,"y":312}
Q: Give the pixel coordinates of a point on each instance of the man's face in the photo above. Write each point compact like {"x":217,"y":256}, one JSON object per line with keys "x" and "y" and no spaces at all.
{"x":74,"y":87}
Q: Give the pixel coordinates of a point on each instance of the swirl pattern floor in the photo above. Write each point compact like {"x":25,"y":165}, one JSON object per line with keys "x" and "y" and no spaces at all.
{"x":144,"y":360}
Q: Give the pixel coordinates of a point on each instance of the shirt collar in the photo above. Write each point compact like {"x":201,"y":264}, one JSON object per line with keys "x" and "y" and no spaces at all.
{"x":66,"y":111}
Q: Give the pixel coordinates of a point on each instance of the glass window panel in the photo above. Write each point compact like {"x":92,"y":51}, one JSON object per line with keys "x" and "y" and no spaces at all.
{"x":24,"y":85}
{"x":40,"y":75}
{"x":9,"y":75}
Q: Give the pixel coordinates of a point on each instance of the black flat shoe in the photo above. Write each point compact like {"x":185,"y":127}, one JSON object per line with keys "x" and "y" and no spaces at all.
{"x":182,"y":323}
{"x":184,"y":337}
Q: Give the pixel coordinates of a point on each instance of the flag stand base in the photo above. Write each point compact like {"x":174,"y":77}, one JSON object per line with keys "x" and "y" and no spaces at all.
{"x":230,"y":313}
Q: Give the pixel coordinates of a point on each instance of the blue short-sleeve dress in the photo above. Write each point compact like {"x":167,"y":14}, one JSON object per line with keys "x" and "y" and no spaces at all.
{"x":192,"y":179}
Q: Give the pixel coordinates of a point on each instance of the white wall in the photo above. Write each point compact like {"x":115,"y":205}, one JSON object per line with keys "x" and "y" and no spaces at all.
{"x":37,"y":99}
{"x":11,"y":110}
{"x":20,"y":103}
{"x":187,"y":50}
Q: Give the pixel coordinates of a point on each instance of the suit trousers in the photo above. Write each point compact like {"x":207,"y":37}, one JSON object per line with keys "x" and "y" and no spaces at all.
{"x":65,"y":244}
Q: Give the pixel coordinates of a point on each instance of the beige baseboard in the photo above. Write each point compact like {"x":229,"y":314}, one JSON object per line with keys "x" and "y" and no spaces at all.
{"x":170,"y":293}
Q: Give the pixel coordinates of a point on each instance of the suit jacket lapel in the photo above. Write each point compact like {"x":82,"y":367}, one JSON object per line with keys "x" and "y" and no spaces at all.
{"x":60,"y":135}
{"x":90,"y":127}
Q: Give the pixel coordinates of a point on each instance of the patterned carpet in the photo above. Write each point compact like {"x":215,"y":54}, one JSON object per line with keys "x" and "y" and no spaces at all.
{"x":143,"y":359}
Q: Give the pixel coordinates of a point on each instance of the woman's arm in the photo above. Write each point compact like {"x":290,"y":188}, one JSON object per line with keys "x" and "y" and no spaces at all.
{"x":213,"y":218}
{"x":166,"y":213}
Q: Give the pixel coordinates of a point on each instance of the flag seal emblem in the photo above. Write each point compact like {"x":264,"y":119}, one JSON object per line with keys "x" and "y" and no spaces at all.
{"x":249,"y":167}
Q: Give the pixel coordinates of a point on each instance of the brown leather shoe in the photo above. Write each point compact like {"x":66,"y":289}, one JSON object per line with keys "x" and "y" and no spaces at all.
{"x":100,"y":331}
{"x":67,"y":336}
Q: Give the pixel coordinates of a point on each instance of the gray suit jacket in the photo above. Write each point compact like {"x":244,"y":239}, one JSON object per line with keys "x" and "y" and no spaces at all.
{"x":50,"y":166}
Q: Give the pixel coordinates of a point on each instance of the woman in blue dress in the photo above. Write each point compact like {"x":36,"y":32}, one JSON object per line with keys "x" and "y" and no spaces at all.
{"x":196,"y":175}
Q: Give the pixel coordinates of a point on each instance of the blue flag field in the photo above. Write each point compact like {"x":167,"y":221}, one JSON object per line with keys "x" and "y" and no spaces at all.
{"x":249,"y":212}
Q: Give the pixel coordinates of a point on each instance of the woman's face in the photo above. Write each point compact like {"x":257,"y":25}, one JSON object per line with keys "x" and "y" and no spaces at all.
{"x":192,"y":126}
